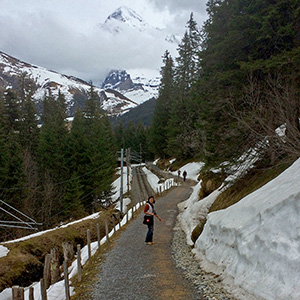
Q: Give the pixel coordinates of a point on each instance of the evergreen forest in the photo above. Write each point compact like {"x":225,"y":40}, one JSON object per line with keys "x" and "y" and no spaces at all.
{"x":234,"y":86}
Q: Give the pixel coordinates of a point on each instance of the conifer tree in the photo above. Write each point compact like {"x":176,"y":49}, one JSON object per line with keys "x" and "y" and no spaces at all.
{"x":93,"y":157}
{"x":77,"y":159}
{"x":52,"y":157}
{"x":12,"y":175}
{"x":181,"y":128}
{"x":119,"y":136}
{"x":159,"y":129}
{"x":72,"y":199}
{"x":3,"y":148}
{"x":11,"y":112}
{"x":187,"y":68}
{"x":28,"y":115}
{"x":53,"y":137}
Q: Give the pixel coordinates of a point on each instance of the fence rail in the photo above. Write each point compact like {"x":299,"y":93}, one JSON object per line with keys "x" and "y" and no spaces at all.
{"x":20,"y":293}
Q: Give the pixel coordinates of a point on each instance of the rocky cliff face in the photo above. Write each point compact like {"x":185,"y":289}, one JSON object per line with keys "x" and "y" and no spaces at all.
{"x":137,"y":85}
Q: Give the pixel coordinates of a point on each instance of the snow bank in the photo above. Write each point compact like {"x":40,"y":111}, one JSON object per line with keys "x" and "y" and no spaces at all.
{"x":3,"y":251}
{"x":126,"y":202}
{"x":193,"y":211}
{"x":154,"y":182}
{"x":152,"y":178}
{"x":116,"y":185}
{"x":256,"y":242}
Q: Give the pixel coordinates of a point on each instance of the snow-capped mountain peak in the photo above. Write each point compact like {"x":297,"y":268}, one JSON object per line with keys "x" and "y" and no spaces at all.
{"x":124,"y":16}
{"x":138,"y":85}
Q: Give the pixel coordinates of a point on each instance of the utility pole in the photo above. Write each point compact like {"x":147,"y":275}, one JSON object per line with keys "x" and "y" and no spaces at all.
{"x":140,"y":154}
{"x":121,"y":184}
{"x":128,"y":167}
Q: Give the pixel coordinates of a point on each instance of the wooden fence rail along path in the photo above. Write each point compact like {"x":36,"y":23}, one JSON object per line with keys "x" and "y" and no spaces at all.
{"x":71,"y":267}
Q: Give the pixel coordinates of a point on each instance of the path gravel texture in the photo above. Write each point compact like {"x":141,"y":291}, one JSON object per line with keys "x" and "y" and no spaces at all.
{"x":133,"y":270}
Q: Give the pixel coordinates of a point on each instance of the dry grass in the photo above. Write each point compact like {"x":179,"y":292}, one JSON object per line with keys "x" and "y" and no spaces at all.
{"x":252,"y":181}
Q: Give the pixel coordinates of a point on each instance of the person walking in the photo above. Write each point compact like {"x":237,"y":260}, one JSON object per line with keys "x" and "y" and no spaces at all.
{"x":178,"y":172}
{"x":184,"y":175}
{"x":149,"y":219}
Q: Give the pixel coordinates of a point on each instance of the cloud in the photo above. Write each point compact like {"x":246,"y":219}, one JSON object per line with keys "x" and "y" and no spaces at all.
{"x":65,"y":35}
{"x":176,"y":6}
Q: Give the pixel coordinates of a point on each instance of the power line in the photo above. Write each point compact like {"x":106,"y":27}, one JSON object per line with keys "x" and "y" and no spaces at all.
{"x":60,"y":182}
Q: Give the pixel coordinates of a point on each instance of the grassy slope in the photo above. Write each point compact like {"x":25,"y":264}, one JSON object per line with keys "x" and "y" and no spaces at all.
{"x":252,"y":181}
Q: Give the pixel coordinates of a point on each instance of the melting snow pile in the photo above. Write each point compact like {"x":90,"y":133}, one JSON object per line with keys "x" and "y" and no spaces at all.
{"x":255,"y":243}
{"x":3,"y":251}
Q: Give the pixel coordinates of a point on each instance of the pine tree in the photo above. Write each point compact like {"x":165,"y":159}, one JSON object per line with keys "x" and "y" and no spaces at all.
{"x":11,"y":170}
{"x":78,"y":161}
{"x":3,"y":148}
{"x":187,"y":68}
{"x":119,"y":136}
{"x":53,"y":137}
{"x":28,"y":123}
{"x":11,"y":112}
{"x":180,"y":126}
{"x":93,"y":154}
{"x":52,"y":157}
{"x":161,"y":115}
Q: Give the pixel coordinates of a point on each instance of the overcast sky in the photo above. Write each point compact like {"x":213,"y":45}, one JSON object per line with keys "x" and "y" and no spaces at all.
{"x":65,"y":36}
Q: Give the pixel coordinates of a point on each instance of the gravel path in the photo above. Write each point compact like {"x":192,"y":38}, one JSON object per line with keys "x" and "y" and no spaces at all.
{"x":133,"y":270}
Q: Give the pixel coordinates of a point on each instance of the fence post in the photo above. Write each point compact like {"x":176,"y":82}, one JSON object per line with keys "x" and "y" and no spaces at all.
{"x":54,"y":265}
{"x":47,"y":274}
{"x":67,"y":288}
{"x":43,"y":289}
{"x":89,"y":244}
{"x":79,"y":261}
{"x":120,"y":221}
{"x":106,"y":231}
{"x":17,"y":293}
{"x":68,"y":250}
{"x":31,"y":293}
{"x":98,"y":235}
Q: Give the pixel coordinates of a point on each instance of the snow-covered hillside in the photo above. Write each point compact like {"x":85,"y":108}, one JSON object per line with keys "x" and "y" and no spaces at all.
{"x":74,"y":89}
{"x":253,"y":245}
{"x":138,"y":85}
{"x":124,"y":17}
{"x":149,"y":80}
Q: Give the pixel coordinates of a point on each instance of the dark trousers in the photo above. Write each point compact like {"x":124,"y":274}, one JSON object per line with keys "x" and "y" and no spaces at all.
{"x":149,"y":236}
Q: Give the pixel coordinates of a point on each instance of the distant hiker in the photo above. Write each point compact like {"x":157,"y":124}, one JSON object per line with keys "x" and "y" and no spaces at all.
{"x":149,"y":219}
{"x":178,"y":172}
{"x":184,"y":175}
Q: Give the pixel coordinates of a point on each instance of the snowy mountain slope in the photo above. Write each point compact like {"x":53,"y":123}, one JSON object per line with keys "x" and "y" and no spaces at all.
{"x":124,"y":17}
{"x":136,"y":84}
{"x":74,"y":89}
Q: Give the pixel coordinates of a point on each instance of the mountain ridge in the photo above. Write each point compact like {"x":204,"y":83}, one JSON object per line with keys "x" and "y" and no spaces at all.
{"x":74,"y":89}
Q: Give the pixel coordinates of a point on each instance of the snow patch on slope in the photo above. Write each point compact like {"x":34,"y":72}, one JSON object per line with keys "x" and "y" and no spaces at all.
{"x":255,"y":243}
